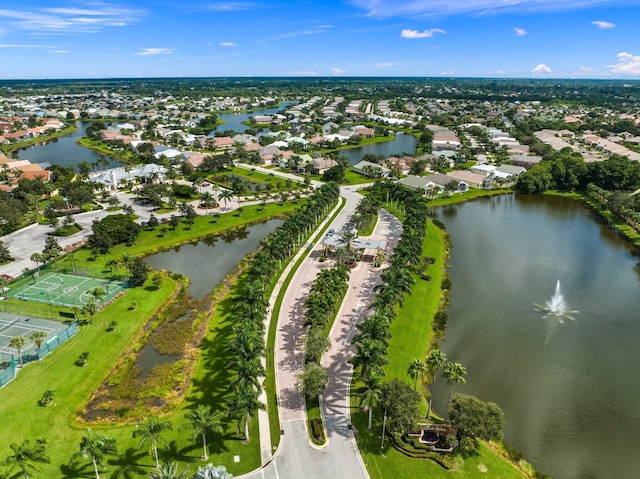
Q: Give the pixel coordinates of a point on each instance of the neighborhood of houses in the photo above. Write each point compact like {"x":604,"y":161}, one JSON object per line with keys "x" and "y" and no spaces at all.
{"x":304,"y":136}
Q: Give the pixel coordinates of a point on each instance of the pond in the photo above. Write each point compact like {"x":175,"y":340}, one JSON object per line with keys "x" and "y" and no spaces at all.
{"x":569,"y":388}
{"x":65,"y":151}
{"x":207,"y":262}
{"x":233,"y":121}
{"x":402,"y":143}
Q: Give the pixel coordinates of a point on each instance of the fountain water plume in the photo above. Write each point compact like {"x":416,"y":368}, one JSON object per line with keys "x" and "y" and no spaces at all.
{"x":556,"y":306}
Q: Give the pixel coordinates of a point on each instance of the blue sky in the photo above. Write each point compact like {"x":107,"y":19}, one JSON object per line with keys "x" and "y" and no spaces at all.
{"x":175,"y":38}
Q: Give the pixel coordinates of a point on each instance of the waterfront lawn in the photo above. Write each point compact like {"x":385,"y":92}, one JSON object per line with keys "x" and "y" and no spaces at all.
{"x":24,"y":419}
{"x":411,"y":330}
{"x":388,"y":462}
{"x":153,"y":240}
{"x":472,"y":194}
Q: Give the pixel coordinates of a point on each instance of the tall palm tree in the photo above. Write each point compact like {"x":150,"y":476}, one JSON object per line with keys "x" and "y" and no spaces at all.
{"x":436,"y":359}
{"x":455,"y":374}
{"x":25,"y":456}
{"x":371,"y":395}
{"x":244,"y":404}
{"x":226,"y":195}
{"x":37,"y":258}
{"x":370,"y":356}
{"x":169,"y":470}
{"x":416,"y":370}
{"x":38,"y":337}
{"x":91,"y":308}
{"x":203,"y":419}
{"x":347,"y":238}
{"x":151,"y":431}
{"x":96,"y":447}
{"x":207,"y":199}
{"x":18,"y":342}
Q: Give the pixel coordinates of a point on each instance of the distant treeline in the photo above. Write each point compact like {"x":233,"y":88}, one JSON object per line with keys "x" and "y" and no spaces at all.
{"x":586,"y":92}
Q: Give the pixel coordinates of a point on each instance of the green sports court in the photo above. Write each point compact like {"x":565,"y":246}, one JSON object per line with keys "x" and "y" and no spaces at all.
{"x":67,"y":290}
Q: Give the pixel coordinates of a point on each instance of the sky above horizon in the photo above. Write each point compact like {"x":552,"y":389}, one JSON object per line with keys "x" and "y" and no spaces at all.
{"x":390,"y":38}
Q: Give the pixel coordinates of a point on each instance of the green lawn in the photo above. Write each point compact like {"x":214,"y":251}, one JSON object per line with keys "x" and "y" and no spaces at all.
{"x":472,"y":194}
{"x":73,"y":384}
{"x":151,"y":240}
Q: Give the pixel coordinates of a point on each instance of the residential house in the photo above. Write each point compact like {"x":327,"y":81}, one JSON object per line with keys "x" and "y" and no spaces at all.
{"x":474,"y":180}
{"x":371,"y":170}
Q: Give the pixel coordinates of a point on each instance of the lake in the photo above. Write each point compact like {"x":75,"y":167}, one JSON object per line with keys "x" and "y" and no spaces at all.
{"x":64,"y":150}
{"x":569,"y":389}
{"x":402,"y":143}
{"x":233,"y":121}
{"x":207,"y":262}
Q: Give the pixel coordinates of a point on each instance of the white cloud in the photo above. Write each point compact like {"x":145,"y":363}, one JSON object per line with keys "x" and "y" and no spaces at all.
{"x":521,"y":32}
{"x":407,"y":33}
{"x":231,"y":6}
{"x":603,"y":24}
{"x":154,"y":51}
{"x":584,"y":69}
{"x":69,"y":20}
{"x":338,"y":71}
{"x":20,"y":45}
{"x":628,"y":64}
{"x":430,"y":8}
{"x":227,"y":44}
{"x":312,"y":31}
{"x":541,"y":68}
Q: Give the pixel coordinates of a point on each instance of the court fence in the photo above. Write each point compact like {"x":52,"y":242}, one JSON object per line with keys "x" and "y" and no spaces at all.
{"x":10,"y":362}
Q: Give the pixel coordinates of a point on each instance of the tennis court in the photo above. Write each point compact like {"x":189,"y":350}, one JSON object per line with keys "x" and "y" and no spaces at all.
{"x":12,"y":325}
{"x":65,"y":289}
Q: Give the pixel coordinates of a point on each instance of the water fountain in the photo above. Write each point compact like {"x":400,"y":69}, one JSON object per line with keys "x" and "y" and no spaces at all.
{"x":556,"y":306}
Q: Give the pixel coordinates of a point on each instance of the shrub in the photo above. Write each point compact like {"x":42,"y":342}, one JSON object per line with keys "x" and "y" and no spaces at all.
{"x":47,"y":398}
{"x":83,"y":359}
{"x":317,"y":431}
{"x":440,"y":320}
{"x":446,"y":283}
{"x":438,"y":224}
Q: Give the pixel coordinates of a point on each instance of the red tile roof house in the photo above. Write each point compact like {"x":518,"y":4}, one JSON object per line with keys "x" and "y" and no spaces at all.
{"x":221,"y":142}
{"x":474,"y":180}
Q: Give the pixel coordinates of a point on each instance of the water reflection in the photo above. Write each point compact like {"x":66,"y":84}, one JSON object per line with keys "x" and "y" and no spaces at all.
{"x":208,"y":261}
{"x":569,"y":392}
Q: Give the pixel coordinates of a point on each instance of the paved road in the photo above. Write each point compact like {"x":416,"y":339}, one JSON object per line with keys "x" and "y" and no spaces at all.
{"x":296,"y":457}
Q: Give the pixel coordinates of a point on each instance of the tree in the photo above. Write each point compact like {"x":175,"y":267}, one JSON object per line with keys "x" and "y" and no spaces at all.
{"x":212,"y":472}
{"x":38,"y":337}
{"x":4,"y":282}
{"x":169,"y":470}
{"x":312,"y":381}
{"x":207,"y":200}
{"x":203,"y":419}
{"x":138,"y":271}
{"x":91,"y":308}
{"x":98,"y":293}
{"x":18,"y":342}
{"x":112,"y":230}
{"x":52,"y":249}
{"x":416,"y":370}
{"x":371,"y":395}
{"x":244,"y":404}
{"x":436,"y":359}
{"x":95,"y":447}
{"x":401,"y":404}
{"x":454,"y":373}
{"x":226,"y":195}
{"x":26,"y":456}
{"x":38,"y":258}
{"x":150,"y":431}
{"x":5,"y":255}
{"x":475,"y":418}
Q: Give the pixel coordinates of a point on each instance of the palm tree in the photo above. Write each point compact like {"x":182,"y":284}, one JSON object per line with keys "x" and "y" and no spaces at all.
{"x":25,"y":456}
{"x":151,"y":431}
{"x":18,"y":342}
{"x":370,"y":356}
{"x":436,"y":359}
{"x":226,"y":195}
{"x":213,"y":472}
{"x":4,"y":282}
{"x":98,"y":293}
{"x":91,"y":308}
{"x":202,"y":419}
{"x":347,"y":238}
{"x":38,"y":338}
{"x":169,"y":470}
{"x":371,"y":395}
{"x":244,"y":404}
{"x":455,"y":374}
{"x":207,"y":199}
{"x":416,"y":370}
{"x":96,"y":447}
{"x":38,"y":258}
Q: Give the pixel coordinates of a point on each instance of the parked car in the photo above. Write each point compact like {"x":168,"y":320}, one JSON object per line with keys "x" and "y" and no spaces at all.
{"x":7,"y":277}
